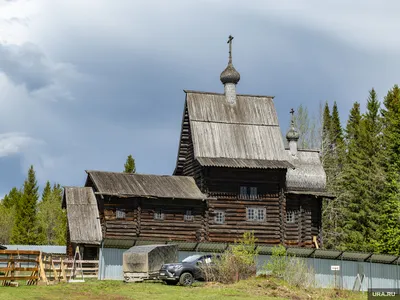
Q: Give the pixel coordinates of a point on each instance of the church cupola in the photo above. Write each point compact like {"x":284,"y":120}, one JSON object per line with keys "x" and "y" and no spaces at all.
{"x":292,"y":136}
{"x":230,"y":77}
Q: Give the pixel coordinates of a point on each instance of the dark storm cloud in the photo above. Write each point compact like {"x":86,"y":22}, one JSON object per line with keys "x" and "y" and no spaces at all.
{"x":130,"y":98}
{"x":26,"y":65}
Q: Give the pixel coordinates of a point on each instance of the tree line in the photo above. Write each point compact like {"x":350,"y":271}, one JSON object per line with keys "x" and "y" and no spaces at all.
{"x":362,"y":164}
{"x":25,"y":220}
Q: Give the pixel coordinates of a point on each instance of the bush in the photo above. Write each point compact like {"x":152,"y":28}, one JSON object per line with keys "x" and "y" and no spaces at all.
{"x":293,"y":270}
{"x":236,"y":263}
{"x":297,"y":273}
{"x":278,"y":262}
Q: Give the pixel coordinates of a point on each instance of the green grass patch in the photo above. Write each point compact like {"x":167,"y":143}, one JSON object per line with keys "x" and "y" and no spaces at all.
{"x":255,"y":288}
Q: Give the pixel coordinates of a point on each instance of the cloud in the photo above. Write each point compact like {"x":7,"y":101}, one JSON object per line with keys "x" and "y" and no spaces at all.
{"x":125,"y":67}
{"x":14,"y":143}
{"x":27,"y":65}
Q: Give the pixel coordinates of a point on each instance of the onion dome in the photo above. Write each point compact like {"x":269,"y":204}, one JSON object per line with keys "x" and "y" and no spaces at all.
{"x":230,"y":75}
{"x":292,"y":134}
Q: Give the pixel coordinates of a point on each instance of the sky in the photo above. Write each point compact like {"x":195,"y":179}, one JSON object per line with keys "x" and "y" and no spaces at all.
{"x":83,"y":84}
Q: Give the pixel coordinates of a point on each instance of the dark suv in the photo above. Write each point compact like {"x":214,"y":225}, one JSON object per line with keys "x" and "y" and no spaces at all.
{"x":187,"y":271}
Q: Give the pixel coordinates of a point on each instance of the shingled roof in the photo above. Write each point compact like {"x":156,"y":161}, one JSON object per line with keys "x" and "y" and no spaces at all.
{"x":308,"y":176}
{"x":246,"y":133}
{"x":147,"y":186}
{"x":83,"y":215}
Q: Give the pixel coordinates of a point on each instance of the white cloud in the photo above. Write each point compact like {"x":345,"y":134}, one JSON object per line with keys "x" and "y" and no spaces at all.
{"x":15,"y":143}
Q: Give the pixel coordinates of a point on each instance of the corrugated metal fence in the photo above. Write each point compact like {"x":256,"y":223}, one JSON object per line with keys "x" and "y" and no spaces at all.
{"x":360,"y":275}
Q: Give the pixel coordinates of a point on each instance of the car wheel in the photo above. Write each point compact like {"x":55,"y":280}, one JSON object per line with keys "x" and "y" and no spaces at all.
{"x":186,"y":279}
{"x":170,"y":282}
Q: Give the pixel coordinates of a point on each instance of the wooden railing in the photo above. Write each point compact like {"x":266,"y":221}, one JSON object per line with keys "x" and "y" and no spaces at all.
{"x":35,"y":266}
{"x":227,"y":195}
{"x":19,"y":265}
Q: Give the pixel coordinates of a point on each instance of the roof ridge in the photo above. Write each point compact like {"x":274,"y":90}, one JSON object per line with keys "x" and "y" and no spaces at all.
{"x":222,"y":94}
{"x":235,"y":123}
{"x":134,"y":174}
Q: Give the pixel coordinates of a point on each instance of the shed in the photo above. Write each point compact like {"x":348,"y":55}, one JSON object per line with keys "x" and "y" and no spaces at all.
{"x":144,"y":262}
{"x":83,"y":221}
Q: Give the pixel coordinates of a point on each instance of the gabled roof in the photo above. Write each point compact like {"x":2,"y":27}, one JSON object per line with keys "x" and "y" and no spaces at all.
{"x":147,"y":186}
{"x":309,"y":175}
{"x":83,"y":215}
{"x":247,"y":131}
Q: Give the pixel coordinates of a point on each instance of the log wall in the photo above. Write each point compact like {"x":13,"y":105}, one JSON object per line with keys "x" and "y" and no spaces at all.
{"x":307,"y":220}
{"x":139,"y":221}
{"x":236,"y":220}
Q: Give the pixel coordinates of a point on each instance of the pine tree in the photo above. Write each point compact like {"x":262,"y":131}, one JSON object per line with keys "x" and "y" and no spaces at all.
{"x":7,"y":214}
{"x":46,"y":192}
{"x":361,"y":178}
{"x":130,"y":165}
{"x":11,"y":199}
{"x":332,"y":210}
{"x":389,"y":241}
{"x":25,"y":230}
{"x":52,"y":218}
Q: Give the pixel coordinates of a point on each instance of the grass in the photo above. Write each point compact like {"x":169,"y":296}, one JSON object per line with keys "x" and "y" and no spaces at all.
{"x":256,"y":288}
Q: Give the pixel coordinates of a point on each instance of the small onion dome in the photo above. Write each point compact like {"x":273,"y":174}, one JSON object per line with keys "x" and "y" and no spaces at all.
{"x":230,"y":75}
{"x":292,"y":134}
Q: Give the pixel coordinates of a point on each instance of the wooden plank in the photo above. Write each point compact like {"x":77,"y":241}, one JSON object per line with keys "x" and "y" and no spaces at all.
{"x":21,"y":269}
{"x":19,"y":252}
{"x":18,"y":278}
{"x":18,"y":260}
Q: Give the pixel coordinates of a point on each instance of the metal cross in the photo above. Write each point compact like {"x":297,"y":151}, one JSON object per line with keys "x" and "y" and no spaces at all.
{"x":230,"y":47}
{"x":292,"y":111}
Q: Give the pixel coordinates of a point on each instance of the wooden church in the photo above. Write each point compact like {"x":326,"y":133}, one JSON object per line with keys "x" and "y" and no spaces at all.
{"x":233,"y":174}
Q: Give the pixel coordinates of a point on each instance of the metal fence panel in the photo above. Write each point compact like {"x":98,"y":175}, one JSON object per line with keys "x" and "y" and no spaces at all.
{"x":110,"y":264}
{"x":377,"y":275}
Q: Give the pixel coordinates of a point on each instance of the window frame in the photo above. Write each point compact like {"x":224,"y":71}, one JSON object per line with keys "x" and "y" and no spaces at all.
{"x":188,"y":216}
{"x":256,"y":214}
{"x":248,"y":192}
{"x":292,"y":217}
{"x":120,"y":214}
{"x":217,"y":212}
{"x":159,"y":214}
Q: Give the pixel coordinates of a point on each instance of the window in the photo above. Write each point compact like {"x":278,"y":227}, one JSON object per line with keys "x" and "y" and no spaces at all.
{"x":256,"y":214}
{"x":120,"y":214}
{"x":243,"y":192}
{"x":219,"y":217}
{"x":188,"y":216}
{"x":248,"y":192}
{"x":290,"y":217}
{"x":158,"y":214}
{"x":253,"y":192}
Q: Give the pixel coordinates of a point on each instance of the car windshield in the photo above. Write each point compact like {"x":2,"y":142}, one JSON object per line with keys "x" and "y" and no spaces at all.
{"x":191,"y":258}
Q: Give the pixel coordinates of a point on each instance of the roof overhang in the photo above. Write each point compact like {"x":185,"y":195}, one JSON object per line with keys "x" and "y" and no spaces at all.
{"x":242,"y":163}
{"x":312,"y":193}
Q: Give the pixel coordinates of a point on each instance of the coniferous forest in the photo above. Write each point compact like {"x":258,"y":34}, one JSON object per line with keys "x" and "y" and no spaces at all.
{"x":361,"y":157}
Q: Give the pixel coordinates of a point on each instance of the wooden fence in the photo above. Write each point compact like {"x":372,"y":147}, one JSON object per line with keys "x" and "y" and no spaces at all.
{"x":34,"y":266}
